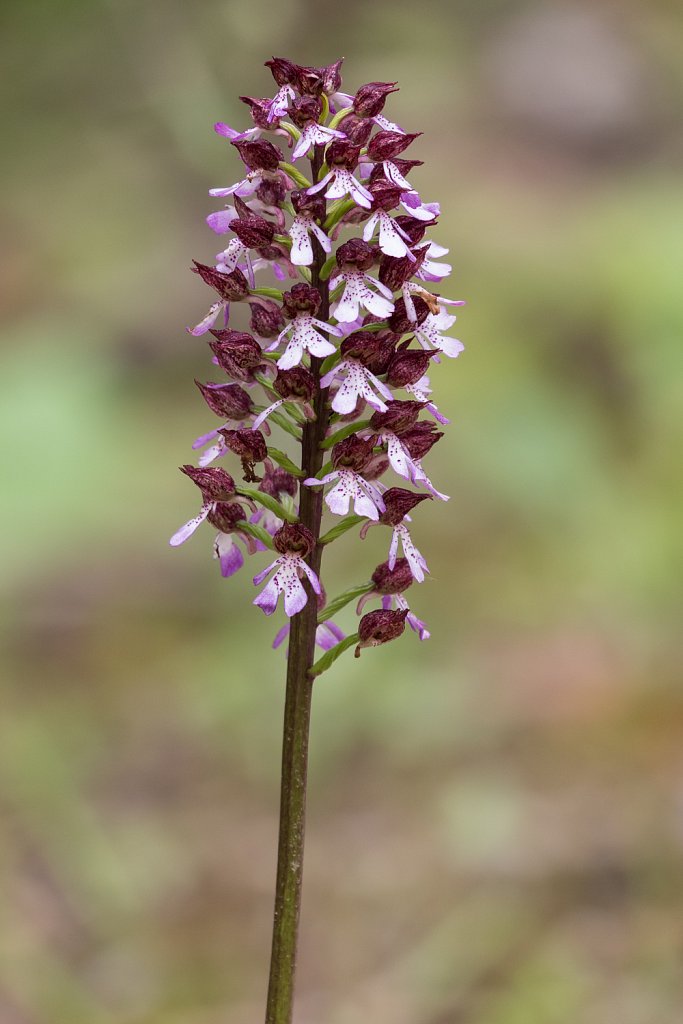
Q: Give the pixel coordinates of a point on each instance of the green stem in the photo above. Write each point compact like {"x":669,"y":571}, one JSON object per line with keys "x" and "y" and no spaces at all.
{"x":298,"y":702}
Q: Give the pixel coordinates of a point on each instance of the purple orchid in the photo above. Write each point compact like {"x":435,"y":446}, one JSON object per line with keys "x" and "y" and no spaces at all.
{"x":294,"y":542}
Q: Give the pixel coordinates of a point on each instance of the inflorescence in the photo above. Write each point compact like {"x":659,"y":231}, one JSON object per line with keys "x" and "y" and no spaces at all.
{"x":362,"y":361}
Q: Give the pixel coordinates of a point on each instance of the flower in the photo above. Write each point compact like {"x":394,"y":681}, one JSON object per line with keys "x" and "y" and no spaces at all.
{"x":342,"y":157}
{"x":356,"y":382}
{"x":349,"y":458}
{"x":294,"y":542}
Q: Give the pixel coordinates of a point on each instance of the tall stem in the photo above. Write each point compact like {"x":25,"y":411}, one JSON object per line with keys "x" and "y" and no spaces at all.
{"x":290,"y":856}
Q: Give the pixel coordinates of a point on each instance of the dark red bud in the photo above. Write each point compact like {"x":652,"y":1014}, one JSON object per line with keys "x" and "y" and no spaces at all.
{"x":260,"y":109}
{"x":385,"y":195}
{"x":266,"y":318}
{"x":301,"y":298}
{"x":237,"y":353}
{"x":253,"y":231}
{"x":294,"y":538}
{"x":355,"y":253}
{"x":398,"y":501}
{"x":285,"y":72}
{"x":398,"y":417}
{"x":394,"y":272}
{"x":231,"y":287}
{"x":214,"y":483}
{"x":297,"y":383}
{"x":229,"y":401}
{"x":258,"y":154}
{"x":226,"y":517}
{"x":250,"y":446}
{"x":373,"y":350}
{"x":421,"y":438}
{"x":305,"y":110}
{"x":380,"y":627}
{"x":342,"y":153}
{"x":353,"y":452}
{"x":331,"y":76}
{"x":357,"y":129}
{"x":407,"y":367}
{"x":312,"y":205}
{"x":414,"y":229}
{"x":400,"y":322}
{"x":387,"y":145}
{"x":393,"y":581}
{"x":370,"y":99}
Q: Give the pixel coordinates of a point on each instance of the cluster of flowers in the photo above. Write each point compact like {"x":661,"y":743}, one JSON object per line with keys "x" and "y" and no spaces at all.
{"x":384,"y":328}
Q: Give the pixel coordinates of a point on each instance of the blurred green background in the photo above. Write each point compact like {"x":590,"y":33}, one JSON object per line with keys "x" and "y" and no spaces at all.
{"x":495,"y":816}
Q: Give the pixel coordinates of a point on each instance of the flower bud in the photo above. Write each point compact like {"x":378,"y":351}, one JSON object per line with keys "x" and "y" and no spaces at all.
{"x":301,"y":298}
{"x":260,"y":109}
{"x":355,"y":254}
{"x":385,"y":195}
{"x":370,"y":99}
{"x":393,"y":581}
{"x":373,"y":350}
{"x":331,"y":76}
{"x":353,"y":452}
{"x":226,"y":517}
{"x":214,"y":483}
{"x":237,"y":353}
{"x":421,"y":438}
{"x":399,"y":320}
{"x":408,"y":366}
{"x":266,"y":318}
{"x":258,"y":154}
{"x":356,"y":129}
{"x":297,"y":383}
{"x":231,"y":287}
{"x":294,"y":539}
{"x":229,"y":401}
{"x":398,"y":417}
{"x":305,"y":110}
{"x":395,"y":271}
{"x":251,"y":229}
{"x":342,"y":153}
{"x":250,"y":446}
{"x":380,"y":627}
{"x":387,"y":145}
{"x":285,"y":72}
{"x":314,"y":206}
{"x":277,"y":482}
{"x":398,"y":501}
{"x":414,"y":229}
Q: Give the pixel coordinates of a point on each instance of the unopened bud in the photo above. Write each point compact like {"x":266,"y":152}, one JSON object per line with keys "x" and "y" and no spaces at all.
{"x":393,"y":581}
{"x":370,"y":99}
{"x":231,"y":287}
{"x":380,"y":627}
{"x":398,"y":501}
{"x":229,"y":401}
{"x":250,"y":446}
{"x":353,"y":452}
{"x":214,"y":483}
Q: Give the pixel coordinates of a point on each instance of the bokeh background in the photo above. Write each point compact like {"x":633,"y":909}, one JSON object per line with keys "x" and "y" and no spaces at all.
{"x":495,"y":816}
